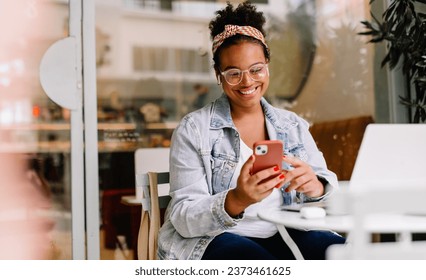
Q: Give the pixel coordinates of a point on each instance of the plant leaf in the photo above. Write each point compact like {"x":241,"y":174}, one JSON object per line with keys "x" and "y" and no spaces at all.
{"x":422,"y":114}
{"x":366,"y":33}
{"x":416,"y":117}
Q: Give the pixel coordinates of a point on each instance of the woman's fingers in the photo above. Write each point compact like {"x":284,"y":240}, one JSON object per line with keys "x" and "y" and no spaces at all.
{"x":272,"y":180}
{"x":247,"y":166}
{"x":256,"y":187}
{"x":302,"y":178}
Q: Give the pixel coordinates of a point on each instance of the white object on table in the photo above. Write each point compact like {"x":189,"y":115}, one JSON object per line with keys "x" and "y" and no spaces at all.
{"x":377,"y":223}
{"x":312,"y":212}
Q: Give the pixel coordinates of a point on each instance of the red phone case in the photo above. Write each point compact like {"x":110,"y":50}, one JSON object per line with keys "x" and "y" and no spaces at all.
{"x":273,"y":155}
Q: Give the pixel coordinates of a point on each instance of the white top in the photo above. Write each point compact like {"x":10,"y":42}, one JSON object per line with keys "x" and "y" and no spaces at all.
{"x":251,"y":225}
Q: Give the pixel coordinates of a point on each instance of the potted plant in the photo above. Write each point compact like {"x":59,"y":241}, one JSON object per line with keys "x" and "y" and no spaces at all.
{"x":403,"y":27}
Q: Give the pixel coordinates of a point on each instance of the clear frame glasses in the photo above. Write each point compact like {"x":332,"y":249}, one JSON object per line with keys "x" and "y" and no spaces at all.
{"x":256,"y":72}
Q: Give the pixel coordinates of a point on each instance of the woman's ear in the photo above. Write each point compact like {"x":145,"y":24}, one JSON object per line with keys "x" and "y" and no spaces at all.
{"x":219,"y":82}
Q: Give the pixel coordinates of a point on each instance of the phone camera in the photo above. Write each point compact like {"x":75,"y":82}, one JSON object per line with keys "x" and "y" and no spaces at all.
{"x":261,"y":150}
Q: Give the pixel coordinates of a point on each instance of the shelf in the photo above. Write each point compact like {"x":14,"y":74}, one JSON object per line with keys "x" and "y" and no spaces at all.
{"x":36,"y":126}
{"x":207,"y":78}
{"x":101,"y":126}
{"x":66,"y":126}
{"x":116,"y":137}
{"x":166,"y":125}
{"x":65,"y":147}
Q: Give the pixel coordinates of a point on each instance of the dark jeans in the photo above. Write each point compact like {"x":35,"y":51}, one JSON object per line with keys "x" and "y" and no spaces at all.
{"x":312,"y":244}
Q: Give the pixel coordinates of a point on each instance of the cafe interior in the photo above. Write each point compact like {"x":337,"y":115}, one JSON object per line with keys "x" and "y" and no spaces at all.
{"x":85,"y":85}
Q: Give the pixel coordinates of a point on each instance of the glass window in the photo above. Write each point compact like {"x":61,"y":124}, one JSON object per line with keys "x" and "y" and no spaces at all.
{"x":35,"y":210}
{"x":155,"y":66}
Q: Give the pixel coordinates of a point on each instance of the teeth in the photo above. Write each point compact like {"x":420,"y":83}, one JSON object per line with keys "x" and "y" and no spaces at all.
{"x":248,"y":92}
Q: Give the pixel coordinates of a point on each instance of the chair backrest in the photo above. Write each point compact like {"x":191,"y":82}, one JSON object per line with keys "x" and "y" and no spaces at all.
{"x":152,"y":189}
{"x":151,"y":214}
{"x":339,"y":141}
{"x":405,"y":211}
{"x":152,"y":159}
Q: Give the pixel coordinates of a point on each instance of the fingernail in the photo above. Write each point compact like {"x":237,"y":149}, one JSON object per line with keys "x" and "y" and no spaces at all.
{"x":282,"y":176}
{"x":276,"y":168}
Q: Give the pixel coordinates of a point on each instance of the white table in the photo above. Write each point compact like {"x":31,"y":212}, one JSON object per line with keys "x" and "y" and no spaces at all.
{"x":378,"y":223}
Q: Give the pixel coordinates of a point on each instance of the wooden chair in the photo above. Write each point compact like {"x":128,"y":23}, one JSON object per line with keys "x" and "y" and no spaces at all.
{"x":150,"y":164}
{"x":408,"y":213}
{"x":153,"y":207}
{"x":151,"y":160}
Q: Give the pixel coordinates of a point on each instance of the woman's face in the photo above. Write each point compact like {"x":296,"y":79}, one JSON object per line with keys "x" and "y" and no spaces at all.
{"x":243,"y":56}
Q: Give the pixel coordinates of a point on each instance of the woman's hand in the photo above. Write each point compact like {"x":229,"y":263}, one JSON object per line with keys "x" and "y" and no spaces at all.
{"x":252,"y":188}
{"x":302,"y":178}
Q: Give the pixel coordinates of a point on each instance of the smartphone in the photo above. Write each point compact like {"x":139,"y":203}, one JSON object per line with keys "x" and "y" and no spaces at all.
{"x":268,"y":153}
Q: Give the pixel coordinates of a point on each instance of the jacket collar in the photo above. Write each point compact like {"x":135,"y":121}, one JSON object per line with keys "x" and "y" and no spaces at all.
{"x":221,"y":115}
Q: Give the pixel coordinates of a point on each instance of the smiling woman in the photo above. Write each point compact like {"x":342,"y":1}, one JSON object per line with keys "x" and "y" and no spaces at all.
{"x":215,"y":194}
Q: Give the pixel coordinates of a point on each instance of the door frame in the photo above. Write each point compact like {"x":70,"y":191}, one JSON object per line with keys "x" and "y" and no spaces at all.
{"x":84,"y":136}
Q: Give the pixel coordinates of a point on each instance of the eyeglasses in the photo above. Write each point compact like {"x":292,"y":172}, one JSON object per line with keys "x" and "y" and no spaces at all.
{"x":256,"y":72}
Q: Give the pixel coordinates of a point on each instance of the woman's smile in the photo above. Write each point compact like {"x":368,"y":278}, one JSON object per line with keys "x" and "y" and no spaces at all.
{"x":248,"y":91}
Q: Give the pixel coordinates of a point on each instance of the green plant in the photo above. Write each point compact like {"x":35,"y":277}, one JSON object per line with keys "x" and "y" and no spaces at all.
{"x":403,"y":27}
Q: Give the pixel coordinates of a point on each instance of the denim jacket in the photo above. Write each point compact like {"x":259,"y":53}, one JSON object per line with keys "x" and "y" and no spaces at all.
{"x":203,"y":157}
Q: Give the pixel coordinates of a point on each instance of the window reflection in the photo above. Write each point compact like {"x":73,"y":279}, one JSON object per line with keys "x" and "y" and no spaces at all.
{"x":317,"y":58}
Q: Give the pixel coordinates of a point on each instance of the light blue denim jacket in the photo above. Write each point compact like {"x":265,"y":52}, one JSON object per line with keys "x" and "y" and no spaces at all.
{"x":204,"y":154}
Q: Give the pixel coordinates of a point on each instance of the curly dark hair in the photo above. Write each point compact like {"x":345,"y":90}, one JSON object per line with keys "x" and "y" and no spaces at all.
{"x":245,"y":14}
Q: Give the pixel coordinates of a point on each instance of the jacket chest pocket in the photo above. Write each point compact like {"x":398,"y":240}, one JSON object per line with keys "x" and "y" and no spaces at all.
{"x":222,"y":171}
{"x":297,"y":150}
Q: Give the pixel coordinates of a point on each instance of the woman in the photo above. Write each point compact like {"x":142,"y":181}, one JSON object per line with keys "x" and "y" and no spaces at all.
{"x":215,"y":198}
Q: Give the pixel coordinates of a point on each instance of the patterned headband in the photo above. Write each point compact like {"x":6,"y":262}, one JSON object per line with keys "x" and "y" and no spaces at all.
{"x":231,"y":30}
